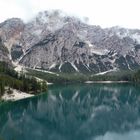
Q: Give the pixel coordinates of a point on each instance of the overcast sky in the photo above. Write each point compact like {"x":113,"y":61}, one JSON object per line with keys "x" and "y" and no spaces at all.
{"x":106,"y":13}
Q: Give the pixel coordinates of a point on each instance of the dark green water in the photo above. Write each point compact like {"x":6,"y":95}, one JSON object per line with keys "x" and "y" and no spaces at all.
{"x":75,"y":112}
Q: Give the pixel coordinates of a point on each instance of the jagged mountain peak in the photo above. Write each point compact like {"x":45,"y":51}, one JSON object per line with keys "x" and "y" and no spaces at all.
{"x":54,"y":20}
{"x":11,"y":28}
{"x":11,"y":22}
{"x":55,"y":15}
{"x":57,"y":42}
{"x":125,"y":32}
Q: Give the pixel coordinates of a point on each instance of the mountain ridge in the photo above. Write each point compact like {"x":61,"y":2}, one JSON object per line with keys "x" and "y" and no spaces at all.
{"x":55,"y":42}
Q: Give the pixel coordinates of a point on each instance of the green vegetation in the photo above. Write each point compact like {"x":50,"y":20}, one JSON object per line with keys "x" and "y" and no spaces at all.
{"x":114,"y":76}
{"x":136,"y":77}
{"x":61,"y":78}
{"x":11,"y":79}
{"x":1,"y":138}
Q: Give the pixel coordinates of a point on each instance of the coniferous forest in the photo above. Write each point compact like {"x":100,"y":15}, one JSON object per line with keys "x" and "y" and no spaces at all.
{"x":10,"y":79}
{"x":65,"y":78}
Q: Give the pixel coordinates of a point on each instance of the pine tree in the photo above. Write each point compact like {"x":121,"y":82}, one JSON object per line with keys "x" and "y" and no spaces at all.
{"x":2,"y":89}
{"x":44,"y":86}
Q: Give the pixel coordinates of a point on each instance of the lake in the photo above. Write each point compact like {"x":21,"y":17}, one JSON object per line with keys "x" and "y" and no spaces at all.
{"x":75,"y":112}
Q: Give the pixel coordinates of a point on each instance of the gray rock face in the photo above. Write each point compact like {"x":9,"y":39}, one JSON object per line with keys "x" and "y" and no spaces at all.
{"x":4,"y":53}
{"x":56,"y":42}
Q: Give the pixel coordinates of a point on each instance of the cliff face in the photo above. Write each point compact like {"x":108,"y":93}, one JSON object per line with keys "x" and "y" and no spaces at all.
{"x":56,"y":42}
{"x":4,"y":53}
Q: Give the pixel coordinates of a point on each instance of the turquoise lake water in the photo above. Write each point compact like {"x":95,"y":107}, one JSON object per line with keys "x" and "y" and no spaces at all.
{"x":75,"y":112}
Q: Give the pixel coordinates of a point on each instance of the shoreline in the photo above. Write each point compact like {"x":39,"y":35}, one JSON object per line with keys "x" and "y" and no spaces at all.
{"x":41,"y":80}
{"x":105,"y":82}
{"x":16,"y":95}
{"x":19,"y":95}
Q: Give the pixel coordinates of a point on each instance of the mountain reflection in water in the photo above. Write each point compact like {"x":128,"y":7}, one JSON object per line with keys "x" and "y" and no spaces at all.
{"x":75,"y":112}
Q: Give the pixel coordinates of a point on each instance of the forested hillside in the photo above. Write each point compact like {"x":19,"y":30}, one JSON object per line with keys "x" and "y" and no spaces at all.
{"x":10,"y":79}
{"x":65,"y":78}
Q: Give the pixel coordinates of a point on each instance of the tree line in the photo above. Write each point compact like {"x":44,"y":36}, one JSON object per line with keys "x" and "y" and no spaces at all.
{"x":131,"y":76}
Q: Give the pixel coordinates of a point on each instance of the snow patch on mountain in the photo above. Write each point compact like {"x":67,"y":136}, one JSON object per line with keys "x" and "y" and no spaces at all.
{"x":52,"y":66}
{"x":105,"y":72}
{"x":74,"y":67}
{"x":89,"y":44}
{"x":136,"y":37}
{"x":60,"y":67}
{"x":37,"y":32}
{"x":99,"y":51}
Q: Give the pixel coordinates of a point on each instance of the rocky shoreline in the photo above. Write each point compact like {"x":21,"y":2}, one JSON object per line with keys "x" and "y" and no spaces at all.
{"x":16,"y":95}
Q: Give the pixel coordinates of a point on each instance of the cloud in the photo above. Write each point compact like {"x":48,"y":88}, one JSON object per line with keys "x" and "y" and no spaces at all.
{"x":100,"y":12}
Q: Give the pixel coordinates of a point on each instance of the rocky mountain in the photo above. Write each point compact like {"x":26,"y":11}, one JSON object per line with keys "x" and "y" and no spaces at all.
{"x":4,"y":53}
{"x":56,"y":42}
